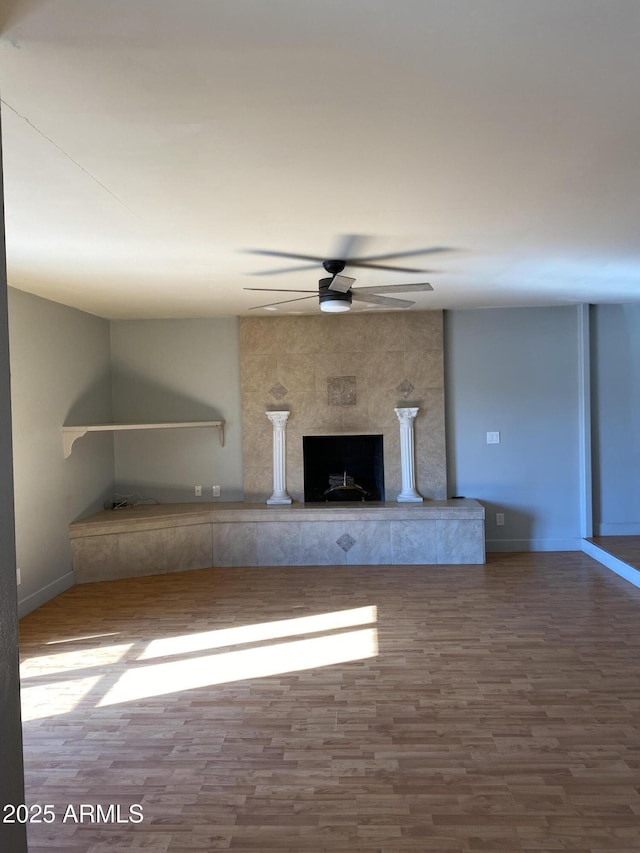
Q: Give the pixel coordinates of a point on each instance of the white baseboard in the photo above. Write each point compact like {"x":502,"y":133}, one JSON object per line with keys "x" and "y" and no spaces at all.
{"x":502,"y":545}
{"x":616,"y":565}
{"x":37,"y":599}
{"x":628,"y":528}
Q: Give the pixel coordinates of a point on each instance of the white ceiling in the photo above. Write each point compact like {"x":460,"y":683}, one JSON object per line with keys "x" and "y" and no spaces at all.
{"x":148,"y":144}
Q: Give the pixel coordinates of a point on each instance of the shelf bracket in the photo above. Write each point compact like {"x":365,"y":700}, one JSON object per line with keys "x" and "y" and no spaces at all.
{"x":68,"y":438}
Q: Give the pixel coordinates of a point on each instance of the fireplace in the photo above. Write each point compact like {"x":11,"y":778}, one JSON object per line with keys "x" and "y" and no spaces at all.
{"x":343,"y":468}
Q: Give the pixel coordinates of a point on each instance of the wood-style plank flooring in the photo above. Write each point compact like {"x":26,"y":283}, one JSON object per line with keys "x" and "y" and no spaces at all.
{"x":626,"y":548}
{"x":450,"y":709}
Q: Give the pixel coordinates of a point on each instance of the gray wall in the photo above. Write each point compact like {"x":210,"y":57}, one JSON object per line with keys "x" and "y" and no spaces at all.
{"x":515,"y":371}
{"x":177,"y":370}
{"x":60,"y":367}
{"x":615,"y":365}
{"x":12,"y":836}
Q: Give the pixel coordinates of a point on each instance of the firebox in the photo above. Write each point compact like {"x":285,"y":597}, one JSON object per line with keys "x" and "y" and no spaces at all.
{"x":343,"y":468}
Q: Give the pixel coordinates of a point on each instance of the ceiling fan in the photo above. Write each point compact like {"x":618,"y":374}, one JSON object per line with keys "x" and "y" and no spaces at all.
{"x":335,"y":292}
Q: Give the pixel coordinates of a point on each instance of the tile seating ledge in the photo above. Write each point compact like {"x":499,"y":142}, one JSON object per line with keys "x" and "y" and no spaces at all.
{"x":155,"y":516}
{"x":161,"y":538}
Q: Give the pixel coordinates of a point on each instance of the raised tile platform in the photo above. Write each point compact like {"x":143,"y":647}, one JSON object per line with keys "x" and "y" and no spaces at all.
{"x":163,"y":538}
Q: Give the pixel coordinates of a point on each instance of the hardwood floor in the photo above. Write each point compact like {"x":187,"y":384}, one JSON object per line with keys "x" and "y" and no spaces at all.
{"x":626,"y":548}
{"x":470,"y":708}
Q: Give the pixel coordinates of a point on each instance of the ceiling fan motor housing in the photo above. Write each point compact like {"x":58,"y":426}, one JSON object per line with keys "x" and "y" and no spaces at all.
{"x":327,"y":296}
{"x":334,"y":267}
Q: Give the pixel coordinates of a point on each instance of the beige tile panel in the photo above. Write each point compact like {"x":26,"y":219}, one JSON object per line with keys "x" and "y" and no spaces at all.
{"x":356,"y":419}
{"x":339,"y":334}
{"x":257,"y":448}
{"x":432,"y":483}
{"x":258,"y":372}
{"x":413,"y":542}
{"x":423,"y":330}
{"x":142,"y":553}
{"x":424,"y":368}
{"x":189,"y":547}
{"x":234,"y":544}
{"x":260,"y":484}
{"x":278,"y":543}
{"x":94,"y":558}
{"x":297,"y":371}
{"x":257,"y":335}
{"x":303,"y":408}
{"x":376,"y":370}
{"x":372,"y":546}
{"x":381,"y":405}
{"x":301,"y":334}
{"x":325,"y":419}
{"x":318,"y":546}
{"x":119,"y":555}
{"x":460,"y":542}
{"x":392,"y":468}
{"x":328,"y":363}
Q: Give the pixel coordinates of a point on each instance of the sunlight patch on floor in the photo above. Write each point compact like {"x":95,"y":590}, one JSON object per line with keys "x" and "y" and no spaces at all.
{"x":141,"y":682}
{"x":56,"y":684}
{"x":58,"y":697}
{"x":260,"y":632}
{"x":65,"y":662}
{"x":82,"y":638}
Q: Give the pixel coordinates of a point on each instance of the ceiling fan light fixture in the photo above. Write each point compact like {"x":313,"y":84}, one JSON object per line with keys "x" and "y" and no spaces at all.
{"x":335,"y":306}
{"x":333,"y":301}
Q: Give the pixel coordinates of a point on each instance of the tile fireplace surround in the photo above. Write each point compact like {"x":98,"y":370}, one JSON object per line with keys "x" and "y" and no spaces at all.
{"x":340,"y":375}
{"x":336,"y":375}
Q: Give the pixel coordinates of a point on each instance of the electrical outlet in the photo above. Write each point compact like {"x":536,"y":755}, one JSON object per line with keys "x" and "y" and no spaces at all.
{"x":499,"y":519}
{"x":198,"y":491}
{"x":216,"y":491}
{"x":19,"y":576}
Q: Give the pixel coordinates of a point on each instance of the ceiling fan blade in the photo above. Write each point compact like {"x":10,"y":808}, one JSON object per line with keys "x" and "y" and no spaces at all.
{"x":271,"y":254}
{"x":284,"y":302}
{"x":279,"y":290}
{"x":366,"y":265}
{"x":349,"y":245}
{"x":381,"y":300}
{"x":341,"y":283}
{"x":434,"y":250}
{"x":282,"y":270}
{"x":398,"y":288}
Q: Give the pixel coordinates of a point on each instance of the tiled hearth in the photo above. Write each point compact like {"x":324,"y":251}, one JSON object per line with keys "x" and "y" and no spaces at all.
{"x":166,"y":538}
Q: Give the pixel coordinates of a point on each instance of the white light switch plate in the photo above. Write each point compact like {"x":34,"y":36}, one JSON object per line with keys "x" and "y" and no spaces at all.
{"x":493,"y":438}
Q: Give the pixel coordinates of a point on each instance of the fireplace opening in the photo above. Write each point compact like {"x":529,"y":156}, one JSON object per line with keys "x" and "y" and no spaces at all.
{"x":343,"y":468}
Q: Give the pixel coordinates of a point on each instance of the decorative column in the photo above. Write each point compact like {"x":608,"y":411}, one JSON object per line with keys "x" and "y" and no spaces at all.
{"x":409,"y":494}
{"x":279,"y":422}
